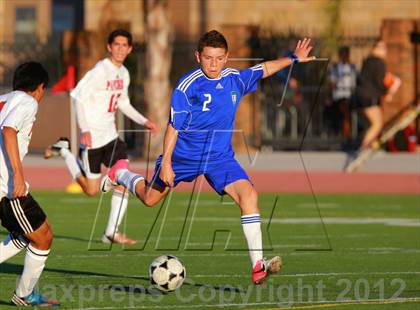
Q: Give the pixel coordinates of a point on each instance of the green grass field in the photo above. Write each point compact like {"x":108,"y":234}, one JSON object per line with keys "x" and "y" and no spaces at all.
{"x":365,"y":256}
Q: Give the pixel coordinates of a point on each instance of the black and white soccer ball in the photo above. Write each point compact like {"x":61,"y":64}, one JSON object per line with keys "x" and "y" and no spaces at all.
{"x":167,"y":273}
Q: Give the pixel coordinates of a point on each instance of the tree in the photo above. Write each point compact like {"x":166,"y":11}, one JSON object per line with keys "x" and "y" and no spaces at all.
{"x":333,"y":31}
{"x":158,"y":63}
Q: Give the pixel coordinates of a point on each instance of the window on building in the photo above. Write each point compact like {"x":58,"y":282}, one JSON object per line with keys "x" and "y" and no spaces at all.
{"x":63,"y":18}
{"x":67,"y":15}
{"x":25,"y":27}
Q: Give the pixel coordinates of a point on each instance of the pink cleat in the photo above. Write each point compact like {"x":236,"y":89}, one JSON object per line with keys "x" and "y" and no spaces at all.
{"x":109,"y":181}
{"x":265,"y":268}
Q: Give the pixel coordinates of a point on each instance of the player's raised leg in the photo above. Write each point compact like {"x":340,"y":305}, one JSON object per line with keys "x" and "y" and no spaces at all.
{"x":244,"y":194}
{"x":62,"y":148}
{"x":149,"y":194}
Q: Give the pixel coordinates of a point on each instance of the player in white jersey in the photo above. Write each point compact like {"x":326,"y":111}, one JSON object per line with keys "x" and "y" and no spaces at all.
{"x":20,"y":214}
{"x":98,"y":95}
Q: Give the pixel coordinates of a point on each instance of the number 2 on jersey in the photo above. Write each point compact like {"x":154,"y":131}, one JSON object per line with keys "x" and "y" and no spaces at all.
{"x":205,"y":103}
{"x":113,"y":102}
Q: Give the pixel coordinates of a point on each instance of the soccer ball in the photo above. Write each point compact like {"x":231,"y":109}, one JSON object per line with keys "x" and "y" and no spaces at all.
{"x":167,"y":273}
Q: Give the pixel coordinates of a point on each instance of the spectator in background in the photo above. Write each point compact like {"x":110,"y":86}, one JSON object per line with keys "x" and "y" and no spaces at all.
{"x":342,"y":78}
{"x":374,"y":83}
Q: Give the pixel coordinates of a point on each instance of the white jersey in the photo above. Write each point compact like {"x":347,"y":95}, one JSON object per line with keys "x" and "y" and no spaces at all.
{"x":17,"y":110}
{"x":98,"y":94}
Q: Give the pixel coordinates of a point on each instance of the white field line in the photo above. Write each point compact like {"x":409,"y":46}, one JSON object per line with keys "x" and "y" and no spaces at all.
{"x":138,"y":253}
{"x":308,"y":246}
{"x":189,"y":306}
{"x":324,"y":205}
{"x":298,"y":275}
{"x":217,"y":202}
{"x":283,"y":237}
{"x":408,"y":222}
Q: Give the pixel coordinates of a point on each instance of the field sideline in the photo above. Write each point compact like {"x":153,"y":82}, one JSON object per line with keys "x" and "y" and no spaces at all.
{"x":362,"y":253}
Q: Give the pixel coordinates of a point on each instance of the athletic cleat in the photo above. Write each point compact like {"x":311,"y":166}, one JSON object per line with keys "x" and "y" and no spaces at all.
{"x":33,"y":300}
{"x":107,"y":184}
{"x":118,"y":238}
{"x":109,"y":181}
{"x":54,"y":149}
{"x":263,"y":269}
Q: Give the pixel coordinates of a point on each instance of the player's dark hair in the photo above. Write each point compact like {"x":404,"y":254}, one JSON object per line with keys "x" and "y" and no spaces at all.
{"x":29,"y":75}
{"x":122,"y":33}
{"x":212,"y":38}
{"x":344,"y":50}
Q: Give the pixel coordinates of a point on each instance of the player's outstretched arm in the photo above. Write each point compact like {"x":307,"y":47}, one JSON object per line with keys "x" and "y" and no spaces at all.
{"x":167,"y":174}
{"x":301,"y":54}
{"x":12,"y":150}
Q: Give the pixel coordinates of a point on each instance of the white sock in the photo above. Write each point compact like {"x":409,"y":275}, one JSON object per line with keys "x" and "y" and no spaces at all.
{"x":251,"y":225}
{"x":128,"y":179}
{"x":71,"y":163}
{"x":11,"y":246}
{"x":34,"y":265}
{"x":119,"y":202}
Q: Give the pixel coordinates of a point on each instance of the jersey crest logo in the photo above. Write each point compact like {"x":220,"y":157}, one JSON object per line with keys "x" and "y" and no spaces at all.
{"x":219,"y":86}
{"x":234,"y":97}
{"x":2,"y":104}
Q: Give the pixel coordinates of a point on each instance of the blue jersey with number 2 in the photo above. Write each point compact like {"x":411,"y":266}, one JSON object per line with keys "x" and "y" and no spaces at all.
{"x":203,"y":112}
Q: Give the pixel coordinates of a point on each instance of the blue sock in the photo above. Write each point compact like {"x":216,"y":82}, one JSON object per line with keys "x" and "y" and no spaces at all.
{"x":128,"y":179}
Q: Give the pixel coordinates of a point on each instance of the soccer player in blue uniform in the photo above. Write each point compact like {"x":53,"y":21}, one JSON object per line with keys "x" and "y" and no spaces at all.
{"x":198,"y":139}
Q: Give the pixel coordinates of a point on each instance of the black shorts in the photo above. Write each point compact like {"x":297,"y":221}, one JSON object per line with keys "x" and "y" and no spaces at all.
{"x":22,"y":215}
{"x":108,"y":155}
{"x":363,"y":100}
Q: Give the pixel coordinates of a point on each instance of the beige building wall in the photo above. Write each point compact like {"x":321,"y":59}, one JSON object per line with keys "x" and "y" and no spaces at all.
{"x":309,"y":16}
{"x":99,"y":12}
{"x":361,"y":16}
{"x":2,"y":28}
{"x":358,"y":17}
{"x":2,"y":31}
{"x":277,"y":15}
{"x":184,"y":16}
{"x":43,"y":17}
{"x":2,"y":20}
{"x":7,"y":25}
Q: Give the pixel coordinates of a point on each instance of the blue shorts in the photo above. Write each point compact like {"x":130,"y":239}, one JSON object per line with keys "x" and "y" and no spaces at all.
{"x":219,"y":174}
